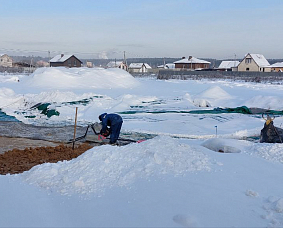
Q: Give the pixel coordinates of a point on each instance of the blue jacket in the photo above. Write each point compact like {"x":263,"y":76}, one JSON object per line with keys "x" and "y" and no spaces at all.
{"x":109,"y":120}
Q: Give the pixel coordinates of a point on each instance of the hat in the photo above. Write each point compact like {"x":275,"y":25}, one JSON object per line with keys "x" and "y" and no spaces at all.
{"x":102,"y":116}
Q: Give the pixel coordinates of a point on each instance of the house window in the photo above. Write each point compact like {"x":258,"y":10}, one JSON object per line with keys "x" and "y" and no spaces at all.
{"x":69,"y":62}
{"x":75,"y":63}
{"x":247,"y":69}
{"x":248,"y":60}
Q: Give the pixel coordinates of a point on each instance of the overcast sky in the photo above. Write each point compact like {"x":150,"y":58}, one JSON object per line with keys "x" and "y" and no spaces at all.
{"x":142,"y":28}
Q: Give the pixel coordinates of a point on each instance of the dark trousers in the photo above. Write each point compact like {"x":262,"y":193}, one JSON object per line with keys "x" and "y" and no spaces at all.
{"x":115,"y":132}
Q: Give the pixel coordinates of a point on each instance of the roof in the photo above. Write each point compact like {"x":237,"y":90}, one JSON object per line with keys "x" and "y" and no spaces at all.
{"x":114,"y":63}
{"x":139,"y":65}
{"x":61,"y":59}
{"x":228,"y":64}
{"x":167,"y":66}
{"x":259,"y":59}
{"x":280,"y":64}
{"x":192,"y":60}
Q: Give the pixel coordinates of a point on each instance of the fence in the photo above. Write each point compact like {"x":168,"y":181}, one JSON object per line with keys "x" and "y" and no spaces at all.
{"x":214,"y":75}
{"x":15,"y":70}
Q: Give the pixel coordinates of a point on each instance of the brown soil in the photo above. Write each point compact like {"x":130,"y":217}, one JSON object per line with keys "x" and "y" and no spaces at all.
{"x":20,"y":160}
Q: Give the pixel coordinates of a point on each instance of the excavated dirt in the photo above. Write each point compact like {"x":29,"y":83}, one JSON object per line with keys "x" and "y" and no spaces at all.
{"x":17,"y":160}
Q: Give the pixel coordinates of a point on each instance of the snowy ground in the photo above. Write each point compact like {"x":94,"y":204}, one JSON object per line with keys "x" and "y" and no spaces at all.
{"x":176,"y":179}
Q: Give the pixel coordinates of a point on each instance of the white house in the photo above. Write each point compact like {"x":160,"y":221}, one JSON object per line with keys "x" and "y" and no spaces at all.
{"x":228,"y":65}
{"x":167,"y":66}
{"x":139,"y":67}
{"x":5,"y":60}
{"x":117,"y":64}
{"x":254,"y":63}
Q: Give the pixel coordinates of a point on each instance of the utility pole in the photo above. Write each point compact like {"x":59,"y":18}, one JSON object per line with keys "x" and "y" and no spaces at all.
{"x":49,"y":58}
{"x":125,"y":61}
{"x":30,"y":66}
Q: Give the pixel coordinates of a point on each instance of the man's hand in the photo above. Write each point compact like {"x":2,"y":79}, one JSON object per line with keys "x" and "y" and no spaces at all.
{"x":106,"y":133}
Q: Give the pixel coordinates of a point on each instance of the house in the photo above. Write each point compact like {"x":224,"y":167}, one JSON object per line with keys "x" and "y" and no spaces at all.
{"x":167,"y":66}
{"x":42,"y":63}
{"x":66,"y":61}
{"x":191,"y":63}
{"x":139,"y":67}
{"x":228,"y":65}
{"x":117,"y":64}
{"x":254,"y":63}
{"x":26,"y":67}
{"x":6,"y":61}
{"x":89,"y":64}
{"x":277,"y":67}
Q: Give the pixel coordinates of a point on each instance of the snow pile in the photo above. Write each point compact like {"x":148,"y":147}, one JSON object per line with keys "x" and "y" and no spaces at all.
{"x":60,"y":97}
{"x":215,"y":92}
{"x":201,"y":103}
{"x":266,"y":102}
{"x":9,"y":78}
{"x":69,"y":78}
{"x":211,"y":97}
{"x":126,"y":101}
{"x":222,"y":145}
{"x":105,"y":167}
{"x":8,"y":97}
{"x":269,"y":151}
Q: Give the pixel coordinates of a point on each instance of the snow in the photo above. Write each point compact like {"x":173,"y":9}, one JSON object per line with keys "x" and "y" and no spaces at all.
{"x":199,"y":171}
{"x":191,"y":60}
{"x":228,"y":64}
{"x":80,"y":78}
{"x":260,"y":60}
{"x":107,"y":165}
{"x":279,"y":64}
{"x":60,"y":58}
{"x":114,"y":64}
{"x":139,"y":65}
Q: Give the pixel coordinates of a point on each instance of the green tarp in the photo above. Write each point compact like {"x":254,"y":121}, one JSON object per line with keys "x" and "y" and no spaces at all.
{"x":242,"y":110}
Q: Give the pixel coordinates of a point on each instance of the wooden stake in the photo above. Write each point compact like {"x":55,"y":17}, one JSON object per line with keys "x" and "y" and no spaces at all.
{"x":75,"y":128}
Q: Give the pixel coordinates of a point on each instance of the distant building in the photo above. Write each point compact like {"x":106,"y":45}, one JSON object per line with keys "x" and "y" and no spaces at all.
{"x":6,"y":61}
{"x":66,"y":61}
{"x":139,"y":67}
{"x":191,"y":63}
{"x":26,"y":67}
{"x":117,"y":64}
{"x":167,"y":66}
{"x":254,"y":63}
{"x":277,"y":67}
{"x":228,"y":65}
{"x":89,"y":64}
{"x":42,"y":63}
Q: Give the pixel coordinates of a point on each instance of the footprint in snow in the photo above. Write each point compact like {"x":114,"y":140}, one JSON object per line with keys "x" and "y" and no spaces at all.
{"x":185,"y":220}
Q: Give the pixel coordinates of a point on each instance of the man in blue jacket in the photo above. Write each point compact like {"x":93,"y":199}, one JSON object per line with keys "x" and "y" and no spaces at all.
{"x":115,"y":122}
